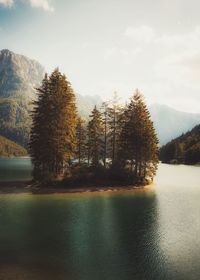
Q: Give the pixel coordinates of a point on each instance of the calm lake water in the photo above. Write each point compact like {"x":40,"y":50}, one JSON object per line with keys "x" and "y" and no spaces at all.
{"x":153,"y":234}
{"x":15,"y":169}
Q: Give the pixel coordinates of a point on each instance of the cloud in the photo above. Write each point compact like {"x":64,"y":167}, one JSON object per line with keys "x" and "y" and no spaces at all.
{"x":170,"y":65}
{"x":7,"y":3}
{"x":190,"y":40}
{"x":43,"y":4}
{"x":181,"y":69}
{"x":182,"y":63}
{"x":116,"y":52}
{"x":140,"y":34}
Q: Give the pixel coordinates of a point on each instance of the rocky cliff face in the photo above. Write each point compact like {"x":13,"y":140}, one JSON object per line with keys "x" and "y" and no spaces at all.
{"x":19,"y":76}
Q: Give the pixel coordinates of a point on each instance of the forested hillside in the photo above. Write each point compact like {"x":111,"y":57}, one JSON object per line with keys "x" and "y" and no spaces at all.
{"x":184,"y":149}
{"x":170,"y":123}
{"x":9,"y":148}
{"x":18,"y":78}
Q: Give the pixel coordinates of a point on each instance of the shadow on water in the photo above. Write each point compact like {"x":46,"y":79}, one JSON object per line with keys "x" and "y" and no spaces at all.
{"x":33,"y":241}
{"x":15,"y":169}
{"x":109,"y":236}
{"x":121,"y":242}
{"x":81,"y":237}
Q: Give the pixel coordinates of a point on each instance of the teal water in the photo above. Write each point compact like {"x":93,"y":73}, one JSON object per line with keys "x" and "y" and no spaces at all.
{"x":153,"y":234}
{"x":15,"y":169}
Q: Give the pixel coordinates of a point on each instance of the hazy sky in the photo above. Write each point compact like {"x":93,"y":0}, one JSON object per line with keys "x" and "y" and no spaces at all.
{"x":108,"y":45}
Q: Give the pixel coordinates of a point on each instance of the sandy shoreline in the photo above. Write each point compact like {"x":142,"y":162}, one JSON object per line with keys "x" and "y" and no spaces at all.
{"x":26,"y":187}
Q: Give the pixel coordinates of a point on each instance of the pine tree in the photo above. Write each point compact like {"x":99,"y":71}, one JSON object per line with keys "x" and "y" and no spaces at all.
{"x":138,"y":141}
{"x":95,"y":135}
{"x":53,"y":134}
{"x":114,"y":112}
{"x":40,"y":131}
{"x":64,"y":122}
{"x":81,"y":140}
{"x":105,"y":119}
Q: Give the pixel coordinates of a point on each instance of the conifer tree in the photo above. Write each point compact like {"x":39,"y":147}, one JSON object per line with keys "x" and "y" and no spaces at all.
{"x":95,"y":135}
{"x":139,"y":144}
{"x":53,"y":134}
{"x":39,"y":140}
{"x":105,"y":119}
{"x":64,"y":122}
{"x":81,"y":140}
{"x":114,"y":127}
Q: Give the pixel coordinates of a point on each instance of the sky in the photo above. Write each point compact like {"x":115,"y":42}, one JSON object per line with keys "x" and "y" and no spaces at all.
{"x":112,"y":45}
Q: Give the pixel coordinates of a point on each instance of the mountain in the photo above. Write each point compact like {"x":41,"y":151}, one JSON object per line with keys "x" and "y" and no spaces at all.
{"x":19,"y":76}
{"x":184,"y":149}
{"x":9,"y":148}
{"x":86,"y":103}
{"x":170,"y":123}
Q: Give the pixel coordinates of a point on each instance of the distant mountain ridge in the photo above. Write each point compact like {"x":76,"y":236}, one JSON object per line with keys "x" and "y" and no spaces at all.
{"x":170,"y":123}
{"x":19,"y":76}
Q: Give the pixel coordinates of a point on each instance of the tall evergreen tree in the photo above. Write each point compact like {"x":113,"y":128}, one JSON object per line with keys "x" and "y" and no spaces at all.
{"x":95,"y":135}
{"x":139,"y":144}
{"x":39,"y":137}
{"x":105,"y":120}
{"x":114,"y":127}
{"x":81,"y":140}
{"x":53,"y":134}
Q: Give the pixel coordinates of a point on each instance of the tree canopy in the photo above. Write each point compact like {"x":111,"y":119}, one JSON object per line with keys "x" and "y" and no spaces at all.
{"x":53,"y":133}
{"x":120,"y":140}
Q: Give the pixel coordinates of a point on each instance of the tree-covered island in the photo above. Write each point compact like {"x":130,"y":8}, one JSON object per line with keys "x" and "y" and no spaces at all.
{"x":117,"y":146}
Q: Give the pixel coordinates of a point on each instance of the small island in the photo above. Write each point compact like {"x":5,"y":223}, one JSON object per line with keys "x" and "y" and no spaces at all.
{"x":116,"y":148}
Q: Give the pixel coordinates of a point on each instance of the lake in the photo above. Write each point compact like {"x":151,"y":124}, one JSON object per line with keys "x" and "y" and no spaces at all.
{"x":15,"y":169}
{"x":153,"y":234}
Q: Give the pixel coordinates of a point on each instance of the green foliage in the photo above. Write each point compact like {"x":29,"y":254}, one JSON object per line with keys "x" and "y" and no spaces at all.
{"x":9,"y":148}
{"x":124,"y":141}
{"x":95,"y":135}
{"x":114,"y":128}
{"x":184,"y":149}
{"x":15,"y":120}
{"x":53,"y":133}
{"x":118,"y":145}
{"x":138,"y":140}
{"x":81,"y":135}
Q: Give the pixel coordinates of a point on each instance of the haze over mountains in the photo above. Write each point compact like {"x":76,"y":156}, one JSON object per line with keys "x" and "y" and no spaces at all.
{"x":19,"y":76}
{"x":170,"y":123}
